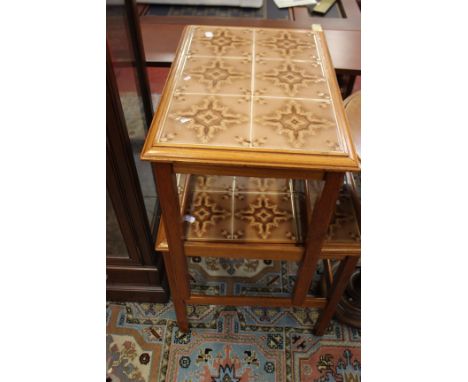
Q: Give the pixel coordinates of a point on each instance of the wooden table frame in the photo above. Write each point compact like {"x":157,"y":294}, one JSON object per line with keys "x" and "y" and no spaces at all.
{"x":176,"y":261}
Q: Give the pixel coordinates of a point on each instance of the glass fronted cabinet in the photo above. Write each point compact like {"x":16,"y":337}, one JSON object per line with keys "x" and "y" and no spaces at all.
{"x":135,"y":272}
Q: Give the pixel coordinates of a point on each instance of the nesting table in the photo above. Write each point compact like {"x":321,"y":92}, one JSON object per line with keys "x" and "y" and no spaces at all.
{"x":249,"y":147}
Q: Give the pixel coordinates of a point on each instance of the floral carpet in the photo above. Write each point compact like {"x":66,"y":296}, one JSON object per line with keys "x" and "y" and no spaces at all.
{"x":227,"y":344}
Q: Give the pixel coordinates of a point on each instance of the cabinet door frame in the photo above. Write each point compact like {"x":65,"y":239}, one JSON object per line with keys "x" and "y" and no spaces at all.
{"x":122,"y":181}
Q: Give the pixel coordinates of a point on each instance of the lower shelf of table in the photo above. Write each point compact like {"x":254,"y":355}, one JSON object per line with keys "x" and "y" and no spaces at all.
{"x":208,"y":201}
{"x":252,"y":272}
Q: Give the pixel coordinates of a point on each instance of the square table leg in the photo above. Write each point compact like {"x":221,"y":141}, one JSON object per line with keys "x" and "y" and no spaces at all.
{"x":175,"y":260}
{"x":177,"y":300}
{"x":340,"y":282}
{"x":316,"y":232}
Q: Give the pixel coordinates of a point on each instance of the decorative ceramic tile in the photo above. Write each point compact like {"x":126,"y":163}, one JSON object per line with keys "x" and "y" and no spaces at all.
{"x":252,"y":209}
{"x":290,"y":79}
{"x":211,"y":215}
{"x":251,"y":89}
{"x":259,"y":185}
{"x":238,"y":208}
{"x":344,"y":226}
{"x":213,"y":183}
{"x":215,"y":76}
{"x":213,"y":41}
{"x":282,"y":44}
{"x":265,"y":217}
{"x":294,"y":124}
{"x":206,"y":120}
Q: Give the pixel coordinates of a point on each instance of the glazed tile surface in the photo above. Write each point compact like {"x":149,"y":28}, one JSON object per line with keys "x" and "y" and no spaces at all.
{"x":214,"y":120}
{"x":212,"y":41}
{"x":248,"y":209}
{"x":251,"y":88}
{"x":215,"y":76}
{"x":298,"y":123}
{"x":238,"y":208}
{"x":284,"y":44}
{"x":290,"y":79}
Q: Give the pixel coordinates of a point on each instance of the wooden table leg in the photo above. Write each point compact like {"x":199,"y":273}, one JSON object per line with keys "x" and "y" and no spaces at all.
{"x":179,"y":303}
{"x":318,"y":227}
{"x":342,"y":276}
{"x":176,"y":262}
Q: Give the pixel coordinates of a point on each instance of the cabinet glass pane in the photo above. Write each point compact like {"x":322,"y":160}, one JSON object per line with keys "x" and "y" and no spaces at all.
{"x":123,"y":61}
{"x":115,"y":245}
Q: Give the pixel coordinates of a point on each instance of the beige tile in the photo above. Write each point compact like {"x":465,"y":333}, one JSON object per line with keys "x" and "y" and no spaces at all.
{"x":264,"y":218}
{"x":215,"y":76}
{"x":294,"y":124}
{"x":271,"y":185}
{"x":290,"y":79}
{"x":206,"y":120}
{"x":281,"y":44}
{"x":212,"y":41}
{"x":211,"y":214}
{"x":210,"y":183}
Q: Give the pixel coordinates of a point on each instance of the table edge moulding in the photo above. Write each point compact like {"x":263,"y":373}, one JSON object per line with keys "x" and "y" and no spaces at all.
{"x":327,"y":165}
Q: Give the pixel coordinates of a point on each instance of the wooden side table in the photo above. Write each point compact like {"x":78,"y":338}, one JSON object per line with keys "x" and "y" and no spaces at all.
{"x":253,"y":109}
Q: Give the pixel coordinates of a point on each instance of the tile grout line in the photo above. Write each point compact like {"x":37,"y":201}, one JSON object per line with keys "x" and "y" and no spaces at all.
{"x":232,"y":205}
{"x":277,"y":59}
{"x":254,"y":192}
{"x":252,"y":87}
{"x":253,"y":96}
{"x":291,"y":194}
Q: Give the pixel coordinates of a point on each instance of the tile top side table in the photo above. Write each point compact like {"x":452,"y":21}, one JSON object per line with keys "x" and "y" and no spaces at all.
{"x":249,"y":102}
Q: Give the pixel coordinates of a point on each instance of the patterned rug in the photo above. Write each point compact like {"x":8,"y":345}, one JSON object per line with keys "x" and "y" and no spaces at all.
{"x":227,"y":344}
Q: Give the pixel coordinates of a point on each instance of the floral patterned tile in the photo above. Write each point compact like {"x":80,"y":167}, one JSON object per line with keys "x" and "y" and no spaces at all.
{"x":264,"y":217}
{"x":295,"y":124}
{"x":281,"y":44}
{"x":290,"y":79}
{"x":227,"y":184}
{"x":213,"y":41}
{"x":209,"y":216}
{"x":215,"y":212}
{"x":215,"y":76}
{"x":206,"y":120}
{"x":261,"y":209}
{"x":265,"y":185}
{"x":210,"y":183}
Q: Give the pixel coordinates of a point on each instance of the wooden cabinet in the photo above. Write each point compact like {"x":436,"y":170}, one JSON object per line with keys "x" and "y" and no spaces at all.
{"x":134,"y":270}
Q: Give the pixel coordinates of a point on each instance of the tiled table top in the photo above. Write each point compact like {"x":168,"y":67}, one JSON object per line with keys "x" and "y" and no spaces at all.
{"x":267,"y":91}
